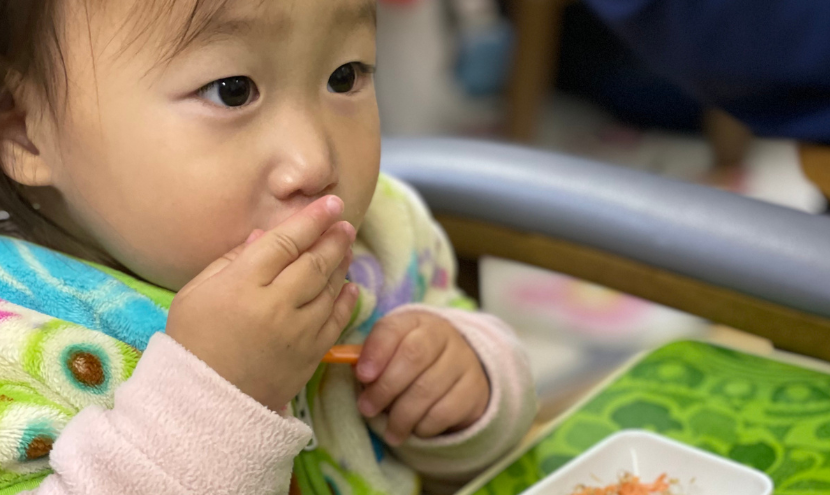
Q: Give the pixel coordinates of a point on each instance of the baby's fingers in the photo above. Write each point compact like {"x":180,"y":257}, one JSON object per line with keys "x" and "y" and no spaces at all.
{"x":320,"y":269}
{"x":416,"y":353}
{"x":267,"y":256}
{"x":341,"y":314}
{"x":455,"y":411}
{"x":412,"y":406}
{"x":212,"y":269}
{"x":382,"y":342}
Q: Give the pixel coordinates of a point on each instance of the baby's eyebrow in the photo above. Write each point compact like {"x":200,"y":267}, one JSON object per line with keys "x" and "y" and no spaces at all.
{"x":229,"y":27}
{"x":200,"y":32}
{"x":220,"y":26}
{"x":365,"y":13}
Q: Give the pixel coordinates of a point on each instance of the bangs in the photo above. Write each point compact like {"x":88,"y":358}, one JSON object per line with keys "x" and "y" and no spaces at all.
{"x":172,"y":25}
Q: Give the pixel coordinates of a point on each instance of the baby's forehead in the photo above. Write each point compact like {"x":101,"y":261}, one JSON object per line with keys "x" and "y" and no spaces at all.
{"x":176,"y":25}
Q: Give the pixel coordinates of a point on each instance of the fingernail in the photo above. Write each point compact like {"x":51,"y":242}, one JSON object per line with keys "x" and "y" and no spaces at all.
{"x":350,"y":231}
{"x":392,"y":439}
{"x":366,"y":372}
{"x":255,"y":234}
{"x":365,"y":407}
{"x":334,"y":205}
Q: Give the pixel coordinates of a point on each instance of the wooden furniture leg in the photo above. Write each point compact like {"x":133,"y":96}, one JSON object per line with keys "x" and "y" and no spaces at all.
{"x":538,"y":25}
{"x":728,"y":137}
{"x":815,"y":162}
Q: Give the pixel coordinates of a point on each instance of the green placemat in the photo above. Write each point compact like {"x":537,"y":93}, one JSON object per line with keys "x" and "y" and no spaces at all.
{"x":760,"y":412}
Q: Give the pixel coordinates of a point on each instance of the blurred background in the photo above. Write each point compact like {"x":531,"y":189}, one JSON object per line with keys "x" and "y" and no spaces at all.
{"x":728,"y":93}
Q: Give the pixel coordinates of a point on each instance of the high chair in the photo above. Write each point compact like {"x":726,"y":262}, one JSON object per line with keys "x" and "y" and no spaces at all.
{"x":750,"y":265}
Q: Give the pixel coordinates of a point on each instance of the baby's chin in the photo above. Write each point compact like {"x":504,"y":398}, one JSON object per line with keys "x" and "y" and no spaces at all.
{"x":170,"y":273}
{"x":170,"y":280}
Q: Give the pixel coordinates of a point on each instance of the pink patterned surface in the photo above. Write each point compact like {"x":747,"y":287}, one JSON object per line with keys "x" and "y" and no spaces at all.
{"x":591,"y":308}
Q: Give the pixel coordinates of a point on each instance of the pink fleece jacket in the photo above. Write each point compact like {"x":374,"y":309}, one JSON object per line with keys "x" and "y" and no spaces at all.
{"x":177,"y":427}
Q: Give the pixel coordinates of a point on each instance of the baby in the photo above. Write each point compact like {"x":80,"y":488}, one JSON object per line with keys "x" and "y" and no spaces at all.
{"x":227,"y":151}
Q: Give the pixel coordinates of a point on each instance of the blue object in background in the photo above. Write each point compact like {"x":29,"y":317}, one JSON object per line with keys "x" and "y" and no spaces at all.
{"x":767,"y":62}
{"x":595,"y":63}
{"x":484,"y":59}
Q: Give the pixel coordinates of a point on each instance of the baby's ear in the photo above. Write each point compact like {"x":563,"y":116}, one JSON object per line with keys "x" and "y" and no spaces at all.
{"x":19,"y":157}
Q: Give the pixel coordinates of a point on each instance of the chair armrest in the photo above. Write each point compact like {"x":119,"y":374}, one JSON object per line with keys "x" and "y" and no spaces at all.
{"x":735,"y":245}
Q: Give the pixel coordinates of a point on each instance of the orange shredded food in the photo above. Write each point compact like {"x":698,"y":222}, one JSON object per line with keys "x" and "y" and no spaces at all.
{"x":629,"y":485}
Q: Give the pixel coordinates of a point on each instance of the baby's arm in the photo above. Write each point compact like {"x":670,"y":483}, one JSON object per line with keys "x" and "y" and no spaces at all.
{"x":177,"y":427}
{"x":512,"y":402}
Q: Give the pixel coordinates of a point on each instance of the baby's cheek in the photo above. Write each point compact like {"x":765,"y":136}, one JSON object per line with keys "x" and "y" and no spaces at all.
{"x":171,"y":259}
{"x":359,"y":166}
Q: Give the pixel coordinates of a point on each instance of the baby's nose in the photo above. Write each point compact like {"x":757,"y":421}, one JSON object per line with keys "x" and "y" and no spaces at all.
{"x":306,"y":166}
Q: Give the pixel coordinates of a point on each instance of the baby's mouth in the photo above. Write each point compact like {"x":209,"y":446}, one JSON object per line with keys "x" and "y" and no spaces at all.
{"x":288,"y":208}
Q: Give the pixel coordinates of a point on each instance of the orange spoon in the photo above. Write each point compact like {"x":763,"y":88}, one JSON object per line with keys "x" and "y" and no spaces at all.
{"x":343,"y":354}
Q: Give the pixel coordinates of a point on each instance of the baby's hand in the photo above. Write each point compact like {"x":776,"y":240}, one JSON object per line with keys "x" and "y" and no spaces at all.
{"x":418,"y":367}
{"x":264,"y":314}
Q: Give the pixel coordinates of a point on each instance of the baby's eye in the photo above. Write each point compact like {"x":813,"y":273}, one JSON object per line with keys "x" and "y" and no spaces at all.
{"x":231,"y":92}
{"x":343,"y":79}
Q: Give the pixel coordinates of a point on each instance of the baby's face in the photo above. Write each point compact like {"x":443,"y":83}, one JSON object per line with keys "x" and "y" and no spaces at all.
{"x":168,"y":164}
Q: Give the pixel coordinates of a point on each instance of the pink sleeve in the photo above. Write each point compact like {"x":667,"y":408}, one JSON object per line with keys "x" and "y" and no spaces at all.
{"x":177,"y":427}
{"x":459,"y":456}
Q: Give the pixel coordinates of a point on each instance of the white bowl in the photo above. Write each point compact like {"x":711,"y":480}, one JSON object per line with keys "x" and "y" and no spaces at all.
{"x":648,"y":456}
